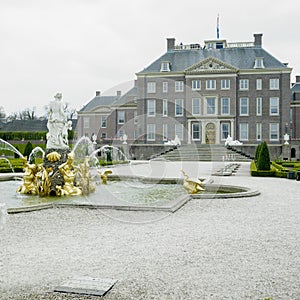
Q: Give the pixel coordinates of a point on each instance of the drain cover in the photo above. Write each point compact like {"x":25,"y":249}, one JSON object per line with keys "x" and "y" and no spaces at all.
{"x":87,"y":286}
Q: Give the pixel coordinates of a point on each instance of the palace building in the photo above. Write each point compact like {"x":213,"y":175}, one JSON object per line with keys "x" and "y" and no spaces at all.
{"x":199,"y":93}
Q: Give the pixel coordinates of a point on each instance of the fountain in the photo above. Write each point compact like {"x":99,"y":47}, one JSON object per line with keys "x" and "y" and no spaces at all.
{"x":57,"y":175}
{"x":5,"y":146}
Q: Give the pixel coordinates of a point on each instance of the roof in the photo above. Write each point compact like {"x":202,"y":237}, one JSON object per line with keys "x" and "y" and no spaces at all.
{"x":109,"y":101}
{"x":238,"y":57}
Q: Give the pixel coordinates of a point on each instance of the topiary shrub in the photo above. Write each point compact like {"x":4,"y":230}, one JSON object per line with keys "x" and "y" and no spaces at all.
{"x":263,"y":161}
{"x":28,"y":149}
{"x":256,"y":155}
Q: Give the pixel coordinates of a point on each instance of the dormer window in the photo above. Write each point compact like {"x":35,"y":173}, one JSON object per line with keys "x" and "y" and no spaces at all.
{"x":259,"y":63}
{"x":165,"y":66}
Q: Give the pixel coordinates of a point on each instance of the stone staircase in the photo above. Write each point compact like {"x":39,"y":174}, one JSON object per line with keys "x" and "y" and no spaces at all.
{"x":203,"y":152}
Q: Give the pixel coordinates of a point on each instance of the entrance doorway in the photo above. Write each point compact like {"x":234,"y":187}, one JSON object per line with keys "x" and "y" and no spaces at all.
{"x":210,"y":133}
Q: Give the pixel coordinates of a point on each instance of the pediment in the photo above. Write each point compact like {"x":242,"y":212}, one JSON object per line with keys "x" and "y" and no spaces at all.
{"x":211,"y":65}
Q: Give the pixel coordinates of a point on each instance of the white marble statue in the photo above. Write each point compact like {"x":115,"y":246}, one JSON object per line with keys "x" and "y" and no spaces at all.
{"x":58,"y":125}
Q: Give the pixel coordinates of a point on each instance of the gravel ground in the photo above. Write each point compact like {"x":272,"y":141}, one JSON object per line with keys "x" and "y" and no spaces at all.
{"x":240,"y":248}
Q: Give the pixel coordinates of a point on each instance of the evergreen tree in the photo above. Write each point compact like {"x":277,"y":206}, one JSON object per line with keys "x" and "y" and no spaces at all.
{"x":258,"y":148}
{"x":28,"y":149}
{"x":263,"y":162}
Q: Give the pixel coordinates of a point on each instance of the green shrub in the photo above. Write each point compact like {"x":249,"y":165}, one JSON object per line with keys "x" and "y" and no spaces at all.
{"x":28,"y":149}
{"x":263,"y":161}
{"x":257,"y":150}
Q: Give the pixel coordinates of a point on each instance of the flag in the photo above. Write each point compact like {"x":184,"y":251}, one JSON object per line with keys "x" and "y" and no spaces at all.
{"x":218,"y":32}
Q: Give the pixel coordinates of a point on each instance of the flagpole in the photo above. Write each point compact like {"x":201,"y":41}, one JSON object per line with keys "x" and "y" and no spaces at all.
{"x":218,"y":31}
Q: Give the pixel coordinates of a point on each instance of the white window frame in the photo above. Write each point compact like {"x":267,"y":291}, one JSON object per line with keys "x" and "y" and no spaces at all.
{"x":165,"y":86}
{"x":246,"y":136}
{"x":273,"y":126}
{"x":103,"y":121}
{"x":259,"y":106}
{"x":151,"y":132}
{"x":225,"y":84}
{"x":259,"y":84}
{"x":151,"y":108}
{"x":196,"y":85}
{"x":224,"y":136}
{"x":259,"y":63}
{"x":165,"y":132}
{"x":222,"y":106}
{"x":196,"y":107}
{"x":210,"y":84}
{"x":135,"y":117}
{"x":165,"y":66}
{"x":178,"y":103}
{"x":274,"y":83}
{"x":193,"y":131}
{"x":215,"y":106}
{"x":179,"y":131}
{"x":244,"y":84}
{"x":86,"y":122}
{"x":179,"y":86}
{"x":272,"y":106}
{"x":151,"y":87}
{"x":165,"y":108}
{"x":120,"y":119}
{"x":258,"y":131}
{"x":242,"y":106}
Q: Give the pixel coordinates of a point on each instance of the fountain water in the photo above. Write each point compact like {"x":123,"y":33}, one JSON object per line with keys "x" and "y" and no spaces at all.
{"x":8,"y":147}
{"x":8,"y":162}
{"x":34,"y":153}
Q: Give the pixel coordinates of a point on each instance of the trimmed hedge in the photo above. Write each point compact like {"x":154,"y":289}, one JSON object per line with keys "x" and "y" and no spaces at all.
{"x":273,"y":172}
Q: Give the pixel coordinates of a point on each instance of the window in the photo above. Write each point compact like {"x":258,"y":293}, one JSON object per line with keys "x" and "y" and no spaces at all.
{"x":165,"y":66}
{"x":196,"y":131}
{"x":274,"y":84}
{"x":196,"y":85}
{"x":103,"y":121}
{"x":243,"y":106}
{"x":165,"y":132}
{"x":210,"y":84}
{"x":179,"y":131}
{"x":151,"y":108}
{"x":211,"y":106}
{"x":274,"y":131}
{"x":258,"y":106}
{"x":258,"y":131}
{"x":225,"y":130}
{"x":274,"y":106}
{"x":165,"y":107}
{"x":178,"y":107}
{"x":103,"y":135}
{"x":244,"y":84}
{"x":86,"y":122}
{"x":151,"y":87}
{"x":150,"y":132}
{"x":244,"y":131}
{"x":225,"y":104}
{"x":259,"y":63}
{"x":178,"y":86}
{"x":135,"y":118}
{"x":121,"y":117}
{"x":196,"y":106}
{"x":165,"y":87}
{"x":120,"y":133}
{"x":258,"y":84}
{"x":225,"y":84}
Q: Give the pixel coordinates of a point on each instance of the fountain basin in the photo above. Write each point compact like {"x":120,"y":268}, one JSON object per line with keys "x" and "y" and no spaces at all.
{"x":121,"y":192}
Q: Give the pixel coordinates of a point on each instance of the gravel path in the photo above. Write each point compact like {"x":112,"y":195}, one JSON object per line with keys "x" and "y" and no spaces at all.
{"x":245,"y":248}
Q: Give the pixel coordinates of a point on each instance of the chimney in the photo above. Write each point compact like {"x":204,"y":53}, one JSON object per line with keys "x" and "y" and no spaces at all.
{"x":119,"y":93}
{"x":98,"y":93}
{"x":297,"y":78}
{"x":170,"y":44}
{"x":258,"y":39}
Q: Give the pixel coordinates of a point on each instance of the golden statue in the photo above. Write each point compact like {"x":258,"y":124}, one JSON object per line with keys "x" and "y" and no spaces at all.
{"x":104,"y":175}
{"x":29,"y":184}
{"x":84,"y":178}
{"x":193,"y":186}
{"x":69,"y":173}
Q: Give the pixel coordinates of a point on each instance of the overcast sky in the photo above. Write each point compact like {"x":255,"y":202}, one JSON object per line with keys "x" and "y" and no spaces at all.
{"x":79,"y":46}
